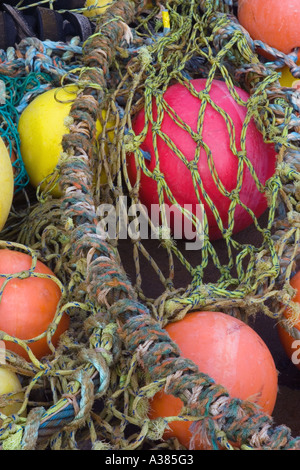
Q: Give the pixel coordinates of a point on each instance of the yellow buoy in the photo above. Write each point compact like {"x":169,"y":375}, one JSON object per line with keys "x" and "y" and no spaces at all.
{"x":287,"y":79}
{"x":41,"y":128}
{"x":9,"y":383}
{"x":6,"y":184}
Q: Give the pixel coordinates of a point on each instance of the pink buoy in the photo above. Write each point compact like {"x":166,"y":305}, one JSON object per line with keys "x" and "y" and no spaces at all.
{"x":215,"y":136}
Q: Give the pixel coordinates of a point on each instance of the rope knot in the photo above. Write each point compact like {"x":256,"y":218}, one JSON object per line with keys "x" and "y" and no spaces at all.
{"x":130,"y":142}
{"x":158,"y":175}
{"x":235,"y":195}
{"x":145,"y":56}
{"x":192,"y":166}
{"x":156,"y":127}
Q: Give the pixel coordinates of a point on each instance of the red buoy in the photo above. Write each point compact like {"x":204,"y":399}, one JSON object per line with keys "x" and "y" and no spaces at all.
{"x":218,"y":170}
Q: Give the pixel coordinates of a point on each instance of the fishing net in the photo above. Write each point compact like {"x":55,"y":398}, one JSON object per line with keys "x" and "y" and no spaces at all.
{"x":94,"y":390}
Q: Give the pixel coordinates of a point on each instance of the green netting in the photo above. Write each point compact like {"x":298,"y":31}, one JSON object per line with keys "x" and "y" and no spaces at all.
{"x":95,"y":388}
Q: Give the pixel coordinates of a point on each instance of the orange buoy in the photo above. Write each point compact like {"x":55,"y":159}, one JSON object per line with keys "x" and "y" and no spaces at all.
{"x":275,"y":22}
{"x":291,"y":342}
{"x":28,"y":304}
{"x":231,"y":353}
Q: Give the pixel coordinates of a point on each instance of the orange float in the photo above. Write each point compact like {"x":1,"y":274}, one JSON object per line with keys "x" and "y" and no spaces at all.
{"x":28,"y":305}
{"x":274,"y":22}
{"x":291,"y":343}
{"x":231,"y":353}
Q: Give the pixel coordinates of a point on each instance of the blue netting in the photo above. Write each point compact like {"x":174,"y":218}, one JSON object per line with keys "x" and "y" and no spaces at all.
{"x":12,"y":92}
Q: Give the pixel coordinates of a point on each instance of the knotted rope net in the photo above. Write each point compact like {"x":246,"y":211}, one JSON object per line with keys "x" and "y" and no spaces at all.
{"x":94,"y":389}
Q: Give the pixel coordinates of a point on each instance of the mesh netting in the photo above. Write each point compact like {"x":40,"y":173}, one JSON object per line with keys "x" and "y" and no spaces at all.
{"x":94,"y":389}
